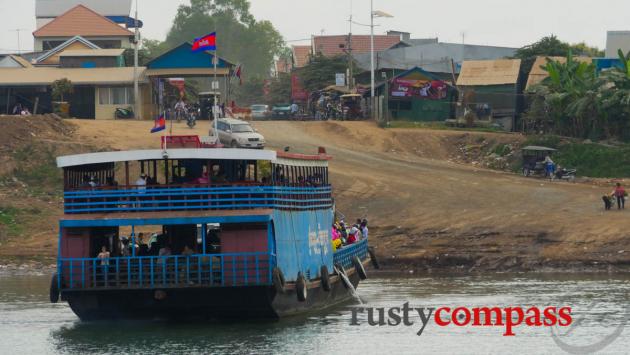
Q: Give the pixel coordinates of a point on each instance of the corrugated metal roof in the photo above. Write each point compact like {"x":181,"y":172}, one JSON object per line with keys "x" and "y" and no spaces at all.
{"x":489,"y":72}
{"x":93,"y":53}
{"x":54,"y":8}
{"x":78,"y":76}
{"x":435,"y":57}
{"x":81,"y":21}
{"x":538,"y":74}
{"x":64,"y":45}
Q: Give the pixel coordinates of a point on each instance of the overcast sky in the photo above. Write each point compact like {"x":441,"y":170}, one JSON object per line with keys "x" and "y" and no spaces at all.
{"x":491,"y":22}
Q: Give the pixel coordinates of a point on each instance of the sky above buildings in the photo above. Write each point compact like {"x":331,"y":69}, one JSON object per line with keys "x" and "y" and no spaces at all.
{"x":490,"y":22}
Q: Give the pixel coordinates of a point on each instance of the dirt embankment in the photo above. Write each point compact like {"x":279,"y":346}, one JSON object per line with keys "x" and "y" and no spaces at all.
{"x":31,"y":184}
{"x":431,"y":202}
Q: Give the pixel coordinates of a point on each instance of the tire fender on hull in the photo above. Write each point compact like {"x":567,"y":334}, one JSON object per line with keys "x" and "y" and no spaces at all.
{"x":278,"y":280}
{"x":300,"y":288}
{"x":325,"y":278}
{"x":54,"y":288}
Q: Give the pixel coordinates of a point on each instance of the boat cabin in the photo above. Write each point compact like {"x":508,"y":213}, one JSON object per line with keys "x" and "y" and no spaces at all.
{"x":190,"y":217}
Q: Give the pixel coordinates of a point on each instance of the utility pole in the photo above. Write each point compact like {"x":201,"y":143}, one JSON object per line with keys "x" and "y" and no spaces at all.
{"x":136,"y":91}
{"x":17,"y":31}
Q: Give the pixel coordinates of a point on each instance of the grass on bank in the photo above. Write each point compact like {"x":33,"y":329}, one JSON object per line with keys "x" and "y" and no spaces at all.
{"x":590,"y":159}
{"x":437,"y":126}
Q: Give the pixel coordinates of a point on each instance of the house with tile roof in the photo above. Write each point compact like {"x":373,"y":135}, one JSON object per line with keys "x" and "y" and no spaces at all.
{"x":331,"y":46}
{"x":84,"y":22}
{"x":301,"y":55}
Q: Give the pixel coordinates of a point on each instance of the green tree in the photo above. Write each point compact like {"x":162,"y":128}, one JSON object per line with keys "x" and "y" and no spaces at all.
{"x":321,"y":70}
{"x":280,"y":89}
{"x":251,"y":92}
{"x":60,"y":88}
{"x":240,"y":37}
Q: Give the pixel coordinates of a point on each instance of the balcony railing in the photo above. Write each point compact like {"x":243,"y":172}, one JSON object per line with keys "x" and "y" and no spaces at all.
{"x":175,"y":198}
{"x":345,"y":255}
{"x":213,"y":270}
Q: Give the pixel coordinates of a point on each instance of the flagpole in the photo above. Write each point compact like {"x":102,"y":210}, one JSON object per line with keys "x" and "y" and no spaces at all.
{"x":216,"y":125}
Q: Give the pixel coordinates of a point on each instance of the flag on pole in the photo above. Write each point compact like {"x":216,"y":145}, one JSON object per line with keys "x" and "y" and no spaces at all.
{"x":237,"y":74}
{"x":205,"y":43}
{"x":159,"y":125}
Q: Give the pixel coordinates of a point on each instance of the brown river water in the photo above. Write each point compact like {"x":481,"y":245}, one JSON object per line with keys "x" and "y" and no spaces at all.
{"x":599,"y":302}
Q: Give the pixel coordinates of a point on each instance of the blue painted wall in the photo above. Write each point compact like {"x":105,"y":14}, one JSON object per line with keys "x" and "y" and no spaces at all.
{"x":303,"y":242}
{"x":183,"y":57}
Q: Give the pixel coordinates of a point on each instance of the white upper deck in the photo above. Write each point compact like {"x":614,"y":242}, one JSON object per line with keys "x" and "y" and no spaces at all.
{"x":158,"y":154}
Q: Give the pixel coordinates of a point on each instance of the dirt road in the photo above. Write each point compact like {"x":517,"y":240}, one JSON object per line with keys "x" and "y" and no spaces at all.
{"x":427,"y":212}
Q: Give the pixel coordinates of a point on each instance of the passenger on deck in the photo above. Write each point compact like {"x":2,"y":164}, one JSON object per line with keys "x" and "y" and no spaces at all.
{"x":364,"y":228}
{"x":141,"y":183}
{"x":143,"y":249}
{"x":165,"y":251}
{"x":187,"y":251}
{"x":103,"y":256}
{"x":336,"y":238}
{"x":125,"y":251}
{"x":110,"y":182}
{"x":353,"y":235}
{"x":85,"y":182}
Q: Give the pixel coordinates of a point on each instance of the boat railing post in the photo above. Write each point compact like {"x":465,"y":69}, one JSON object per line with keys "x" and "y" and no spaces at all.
{"x":117,"y":272}
{"x":152,"y":272}
{"x":257,"y":269}
{"x":204,"y":231}
{"x":246,"y":270}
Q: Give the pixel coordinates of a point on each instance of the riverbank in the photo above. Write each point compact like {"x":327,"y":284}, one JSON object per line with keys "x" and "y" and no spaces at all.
{"x":432,"y":203}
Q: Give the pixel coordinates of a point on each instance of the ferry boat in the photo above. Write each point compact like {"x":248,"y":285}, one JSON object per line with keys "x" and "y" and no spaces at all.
{"x":228,"y":233}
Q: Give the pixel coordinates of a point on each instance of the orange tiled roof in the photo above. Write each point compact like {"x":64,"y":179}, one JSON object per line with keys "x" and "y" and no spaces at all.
{"x":81,"y":21}
{"x":300,"y":55}
{"x":283,"y":66}
{"x":330,"y":45}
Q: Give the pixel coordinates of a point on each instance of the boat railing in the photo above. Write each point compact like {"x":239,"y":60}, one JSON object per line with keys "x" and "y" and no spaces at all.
{"x":176,"y":271}
{"x":200,"y":197}
{"x":345,"y":255}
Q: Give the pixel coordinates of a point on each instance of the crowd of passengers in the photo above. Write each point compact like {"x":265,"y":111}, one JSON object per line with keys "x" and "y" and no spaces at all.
{"x":344,"y":234}
{"x":145,"y":180}
{"x":157,"y":245}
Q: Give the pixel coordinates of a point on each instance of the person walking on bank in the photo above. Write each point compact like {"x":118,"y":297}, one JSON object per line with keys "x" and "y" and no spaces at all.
{"x":620,"y":194}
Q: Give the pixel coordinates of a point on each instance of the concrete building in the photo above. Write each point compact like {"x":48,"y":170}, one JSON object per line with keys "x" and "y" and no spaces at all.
{"x":616,"y":40}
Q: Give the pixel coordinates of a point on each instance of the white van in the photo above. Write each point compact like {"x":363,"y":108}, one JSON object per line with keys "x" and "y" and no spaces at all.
{"x":239,"y":134}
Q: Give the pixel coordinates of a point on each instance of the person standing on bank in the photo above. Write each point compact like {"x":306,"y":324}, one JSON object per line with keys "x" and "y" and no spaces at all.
{"x":620,"y":194}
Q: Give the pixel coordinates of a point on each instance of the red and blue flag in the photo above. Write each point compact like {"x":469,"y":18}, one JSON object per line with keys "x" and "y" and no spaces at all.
{"x":205,"y":43}
{"x":159,"y":125}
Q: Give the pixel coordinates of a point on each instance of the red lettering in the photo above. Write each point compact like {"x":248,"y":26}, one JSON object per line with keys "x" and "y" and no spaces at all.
{"x":533,"y":319}
{"x":438,"y":319}
{"x":463,"y":321}
{"x":550,"y":316}
{"x":509,"y":322}
{"x":487,"y":316}
{"x":565,"y":314}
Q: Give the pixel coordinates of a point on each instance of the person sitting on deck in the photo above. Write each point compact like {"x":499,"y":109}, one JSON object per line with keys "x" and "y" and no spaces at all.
{"x":85,"y":182}
{"x":164,"y":251}
{"x":336,"y":238}
{"x":141,"y":183}
{"x":110,"y":182}
{"x":187,"y":251}
{"x":353,"y":235}
{"x":125,"y":251}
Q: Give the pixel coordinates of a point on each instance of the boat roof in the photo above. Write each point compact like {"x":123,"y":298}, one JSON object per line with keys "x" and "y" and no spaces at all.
{"x":158,"y":154}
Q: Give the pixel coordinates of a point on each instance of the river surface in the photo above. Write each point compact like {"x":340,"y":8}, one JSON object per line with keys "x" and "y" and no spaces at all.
{"x":31,"y":325}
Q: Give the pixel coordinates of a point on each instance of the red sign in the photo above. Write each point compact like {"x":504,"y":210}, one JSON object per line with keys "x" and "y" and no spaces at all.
{"x":426,"y":89}
{"x":298,"y":93}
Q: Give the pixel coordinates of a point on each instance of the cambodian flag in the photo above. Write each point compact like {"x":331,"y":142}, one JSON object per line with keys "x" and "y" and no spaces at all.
{"x":159,"y":125}
{"x":205,"y":43}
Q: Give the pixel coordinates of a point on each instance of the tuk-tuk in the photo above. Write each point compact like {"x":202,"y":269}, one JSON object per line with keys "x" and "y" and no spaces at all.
{"x":534,"y":160}
{"x":206,"y":101}
{"x":351,"y":106}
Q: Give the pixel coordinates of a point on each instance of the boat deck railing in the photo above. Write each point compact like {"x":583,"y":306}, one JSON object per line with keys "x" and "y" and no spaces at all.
{"x":195,"y":198}
{"x":345,"y":255}
{"x":177,"y":271}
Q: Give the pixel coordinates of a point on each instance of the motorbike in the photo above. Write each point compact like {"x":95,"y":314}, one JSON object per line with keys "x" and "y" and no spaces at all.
{"x":191,"y":119}
{"x":565,"y":174}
